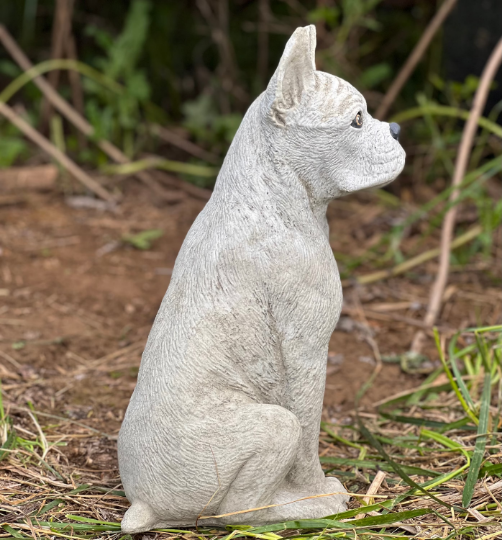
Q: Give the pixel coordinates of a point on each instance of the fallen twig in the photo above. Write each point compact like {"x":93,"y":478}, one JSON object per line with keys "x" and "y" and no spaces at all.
{"x":39,"y":178}
{"x":55,"y":153}
{"x":173,"y":138}
{"x":372,"y":490}
{"x":153,"y":162}
{"x":460,"y":166}
{"x":61,"y":29}
{"x":414,"y":58}
{"x":12,"y":200}
{"x":173,"y":181}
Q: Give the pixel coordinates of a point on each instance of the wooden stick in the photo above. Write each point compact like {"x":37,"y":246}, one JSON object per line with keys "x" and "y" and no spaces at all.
{"x":59,"y":103}
{"x":462,"y":160}
{"x":414,"y":58}
{"x":176,"y":140}
{"x":59,"y":156}
{"x":38,"y":178}
{"x":191,"y":189}
{"x":77,"y":94}
{"x":61,"y":28}
{"x":375,"y":486}
{"x":60,"y":32}
{"x":372,"y":490}
{"x":78,"y":120}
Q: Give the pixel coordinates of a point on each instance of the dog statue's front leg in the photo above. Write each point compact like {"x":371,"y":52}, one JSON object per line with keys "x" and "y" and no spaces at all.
{"x":305,"y":362}
{"x":305,"y":381}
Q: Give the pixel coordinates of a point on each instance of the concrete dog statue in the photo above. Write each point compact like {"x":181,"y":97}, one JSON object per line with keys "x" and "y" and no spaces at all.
{"x":226,"y":412}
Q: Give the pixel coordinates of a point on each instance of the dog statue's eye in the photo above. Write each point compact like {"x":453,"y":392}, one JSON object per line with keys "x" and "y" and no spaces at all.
{"x":358,"y":120}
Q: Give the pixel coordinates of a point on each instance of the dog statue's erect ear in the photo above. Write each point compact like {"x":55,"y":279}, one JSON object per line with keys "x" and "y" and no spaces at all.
{"x":295,"y":74}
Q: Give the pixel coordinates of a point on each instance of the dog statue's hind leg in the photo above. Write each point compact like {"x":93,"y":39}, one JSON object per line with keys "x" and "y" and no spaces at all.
{"x":238,"y":462}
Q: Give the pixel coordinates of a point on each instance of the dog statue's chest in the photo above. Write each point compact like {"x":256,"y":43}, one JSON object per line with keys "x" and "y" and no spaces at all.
{"x":307,"y":289}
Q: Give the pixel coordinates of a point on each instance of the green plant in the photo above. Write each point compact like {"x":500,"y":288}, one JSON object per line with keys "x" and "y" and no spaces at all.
{"x":11,"y":148}
{"x":142,"y":240}
{"x":116,"y":117}
{"x":207,"y":125}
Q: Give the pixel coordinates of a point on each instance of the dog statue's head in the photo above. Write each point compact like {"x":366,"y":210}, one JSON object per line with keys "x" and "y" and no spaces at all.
{"x":322,"y":126}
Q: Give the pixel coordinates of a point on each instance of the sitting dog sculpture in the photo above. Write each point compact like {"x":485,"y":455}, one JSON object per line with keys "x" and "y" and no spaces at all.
{"x":225,"y":416}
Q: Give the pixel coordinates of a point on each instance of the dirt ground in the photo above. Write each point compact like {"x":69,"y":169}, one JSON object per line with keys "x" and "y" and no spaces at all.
{"x":76,"y":306}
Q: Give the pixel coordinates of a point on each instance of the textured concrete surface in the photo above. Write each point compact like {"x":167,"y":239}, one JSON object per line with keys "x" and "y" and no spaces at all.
{"x":225,"y":416}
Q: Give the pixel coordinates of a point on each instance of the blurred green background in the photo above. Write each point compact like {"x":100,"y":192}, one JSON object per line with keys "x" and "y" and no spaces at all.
{"x":198,"y":64}
{"x":195,"y":66}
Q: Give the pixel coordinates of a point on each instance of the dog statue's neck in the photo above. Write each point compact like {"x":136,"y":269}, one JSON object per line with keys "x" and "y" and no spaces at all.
{"x":256,"y":171}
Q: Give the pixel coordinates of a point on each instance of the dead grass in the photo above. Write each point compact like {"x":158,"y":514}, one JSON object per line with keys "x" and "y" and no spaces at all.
{"x":73,"y":322}
{"x":441,"y":456}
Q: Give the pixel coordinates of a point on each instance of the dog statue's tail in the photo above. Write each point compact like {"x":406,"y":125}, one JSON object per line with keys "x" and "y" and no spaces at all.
{"x":139,"y":518}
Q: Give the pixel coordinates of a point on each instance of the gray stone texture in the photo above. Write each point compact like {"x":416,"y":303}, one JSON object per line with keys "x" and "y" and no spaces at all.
{"x":226,"y":412}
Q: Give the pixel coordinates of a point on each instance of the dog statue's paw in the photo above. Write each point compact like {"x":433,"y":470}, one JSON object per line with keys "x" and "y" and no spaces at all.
{"x":337,"y":502}
{"x":309,"y":503}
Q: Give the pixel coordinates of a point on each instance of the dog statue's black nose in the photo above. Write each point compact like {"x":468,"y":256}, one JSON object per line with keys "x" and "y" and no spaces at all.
{"x":395,"y":129}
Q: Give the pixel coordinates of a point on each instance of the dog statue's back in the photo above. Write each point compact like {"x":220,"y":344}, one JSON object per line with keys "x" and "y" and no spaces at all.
{"x":226,"y":412}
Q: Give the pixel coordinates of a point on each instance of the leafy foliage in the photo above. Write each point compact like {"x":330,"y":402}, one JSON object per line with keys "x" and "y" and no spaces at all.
{"x":144,"y":239}
{"x":113,"y":114}
{"x":166,"y":62}
{"x":207,"y":125}
{"x":11,"y":148}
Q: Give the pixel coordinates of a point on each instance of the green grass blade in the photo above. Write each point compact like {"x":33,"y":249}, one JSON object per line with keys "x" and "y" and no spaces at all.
{"x":302,"y":524}
{"x":479,"y":449}
{"x":334,"y":436}
{"x":89,"y":487}
{"x":48,"y":506}
{"x":445,"y":441}
{"x":492,"y":469}
{"x":452,"y":445}
{"x":481,"y":329}
{"x":456,"y":372}
{"x":416,"y":397}
{"x":12,"y":531}
{"x":367,"y":464}
{"x":81,"y":488}
{"x":90,"y":520}
{"x":58,"y":64}
{"x":446,"y":520}
{"x":442,"y":426}
{"x":460,"y":423}
{"x":481,"y":343}
{"x":370,"y":508}
{"x":389,"y":519}
{"x":143,"y":240}
{"x":160,"y":163}
{"x":371,"y":521}
{"x":406,"y":395}
{"x":9,"y":444}
{"x":397,"y":468}
{"x":454,"y":386}
{"x":81,"y":527}
{"x":440,"y":110}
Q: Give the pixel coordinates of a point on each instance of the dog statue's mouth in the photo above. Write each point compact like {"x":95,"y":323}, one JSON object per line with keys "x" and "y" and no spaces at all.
{"x":353,"y":182}
{"x":385,"y":181}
